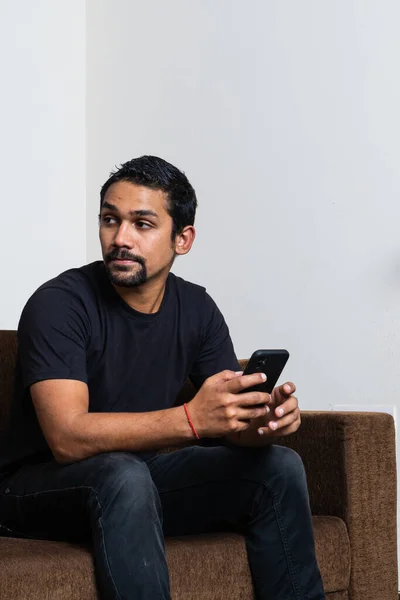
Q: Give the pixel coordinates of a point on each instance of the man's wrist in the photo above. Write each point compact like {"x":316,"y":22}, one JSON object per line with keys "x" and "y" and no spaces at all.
{"x":190,"y":422}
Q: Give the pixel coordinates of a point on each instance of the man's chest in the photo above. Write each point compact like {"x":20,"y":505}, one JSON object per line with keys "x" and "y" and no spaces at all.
{"x":137,"y":367}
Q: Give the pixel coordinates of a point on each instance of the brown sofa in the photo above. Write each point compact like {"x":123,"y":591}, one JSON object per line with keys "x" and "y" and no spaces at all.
{"x":351,"y":468}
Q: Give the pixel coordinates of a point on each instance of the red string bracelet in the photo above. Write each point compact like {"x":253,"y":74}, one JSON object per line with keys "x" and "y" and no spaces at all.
{"x":190,"y":421}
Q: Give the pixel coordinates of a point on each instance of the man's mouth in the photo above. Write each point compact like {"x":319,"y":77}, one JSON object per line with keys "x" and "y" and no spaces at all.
{"x":123,"y":260}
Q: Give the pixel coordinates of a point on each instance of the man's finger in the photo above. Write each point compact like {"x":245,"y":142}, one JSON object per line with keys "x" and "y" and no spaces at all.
{"x":292,"y":428}
{"x":282,"y":392}
{"x":287,"y":406}
{"x":249,"y":399}
{"x":225,"y":376}
{"x":249,"y":413}
{"x":245,"y":381}
{"x":285,"y":421}
{"x":283,"y":426}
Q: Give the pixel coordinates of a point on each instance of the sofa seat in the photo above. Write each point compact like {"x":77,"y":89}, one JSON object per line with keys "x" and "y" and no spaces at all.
{"x":48,"y":570}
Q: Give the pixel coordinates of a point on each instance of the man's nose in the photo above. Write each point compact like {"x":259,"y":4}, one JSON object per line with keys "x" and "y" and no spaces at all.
{"x":124,"y":236}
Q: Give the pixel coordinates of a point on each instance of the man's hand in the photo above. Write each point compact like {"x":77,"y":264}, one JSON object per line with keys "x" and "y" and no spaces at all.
{"x":284,"y":416}
{"x":218,"y":409}
{"x":264,"y":430}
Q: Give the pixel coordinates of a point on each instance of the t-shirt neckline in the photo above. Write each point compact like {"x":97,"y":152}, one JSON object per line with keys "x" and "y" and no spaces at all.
{"x":132,"y":312}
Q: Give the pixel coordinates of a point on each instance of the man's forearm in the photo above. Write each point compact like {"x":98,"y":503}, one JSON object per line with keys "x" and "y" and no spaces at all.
{"x":93,"y":433}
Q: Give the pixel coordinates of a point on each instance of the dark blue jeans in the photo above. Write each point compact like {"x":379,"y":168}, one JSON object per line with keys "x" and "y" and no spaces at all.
{"x":126,"y":505}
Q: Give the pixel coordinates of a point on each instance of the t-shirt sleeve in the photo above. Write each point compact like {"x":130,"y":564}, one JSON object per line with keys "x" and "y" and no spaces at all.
{"x":216,"y":351}
{"x":52,"y":337}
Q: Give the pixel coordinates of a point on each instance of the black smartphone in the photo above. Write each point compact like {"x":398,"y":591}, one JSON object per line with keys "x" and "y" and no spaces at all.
{"x":270,"y":362}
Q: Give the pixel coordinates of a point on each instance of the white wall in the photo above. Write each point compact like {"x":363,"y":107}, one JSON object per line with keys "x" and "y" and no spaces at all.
{"x":285,"y":116}
{"x":42,"y":146}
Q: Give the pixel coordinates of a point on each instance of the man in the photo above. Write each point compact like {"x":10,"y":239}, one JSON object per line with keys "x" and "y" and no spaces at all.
{"x":103,"y":352}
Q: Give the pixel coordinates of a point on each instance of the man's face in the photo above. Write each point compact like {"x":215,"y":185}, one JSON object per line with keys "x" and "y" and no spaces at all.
{"x":135,"y":234}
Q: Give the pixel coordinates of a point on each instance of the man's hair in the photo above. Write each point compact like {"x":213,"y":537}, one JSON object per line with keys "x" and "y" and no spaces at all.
{"x":158,"y":174}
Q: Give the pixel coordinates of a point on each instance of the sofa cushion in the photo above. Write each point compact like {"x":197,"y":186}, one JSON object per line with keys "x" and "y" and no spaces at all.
{"x":38,"y":569}
{"x":332,"y":545}
{"x":200,"y":566}
{"x":213,"y":562}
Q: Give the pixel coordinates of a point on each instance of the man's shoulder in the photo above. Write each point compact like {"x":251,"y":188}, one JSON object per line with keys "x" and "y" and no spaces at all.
{"x":78,"y":288}
{"x":195,"y":300}
{"x":193,"y":292}
{"x":75,"y":281}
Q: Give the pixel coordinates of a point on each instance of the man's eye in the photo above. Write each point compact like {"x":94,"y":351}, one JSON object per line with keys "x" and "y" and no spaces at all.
{"x":109,"y":220}
{"x":143,"y":225}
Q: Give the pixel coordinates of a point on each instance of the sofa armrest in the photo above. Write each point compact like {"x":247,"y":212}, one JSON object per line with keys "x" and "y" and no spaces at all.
{"x":350,"y":460}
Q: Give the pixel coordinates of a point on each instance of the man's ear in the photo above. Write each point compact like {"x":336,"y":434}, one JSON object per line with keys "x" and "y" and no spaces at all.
{"x":184,"y":240}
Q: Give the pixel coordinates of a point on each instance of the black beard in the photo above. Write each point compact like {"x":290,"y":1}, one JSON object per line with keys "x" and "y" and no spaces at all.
{"x":116,"y":272}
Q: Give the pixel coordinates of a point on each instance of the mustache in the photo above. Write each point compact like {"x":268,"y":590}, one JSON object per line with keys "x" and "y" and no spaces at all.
{"x":124,"y":255}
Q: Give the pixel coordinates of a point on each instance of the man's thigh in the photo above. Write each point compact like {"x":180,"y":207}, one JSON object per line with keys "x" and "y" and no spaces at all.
{"x":55,"y":501}
{"x":210,"y":489}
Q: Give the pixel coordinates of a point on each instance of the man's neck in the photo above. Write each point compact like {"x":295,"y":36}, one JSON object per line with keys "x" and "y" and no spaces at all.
{"x":145,"y":298}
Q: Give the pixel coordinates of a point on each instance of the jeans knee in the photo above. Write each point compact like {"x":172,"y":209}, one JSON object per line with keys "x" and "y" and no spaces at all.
{"x":124,"y":483}
{"x":281,"y":464}
{"x":291,"y":464}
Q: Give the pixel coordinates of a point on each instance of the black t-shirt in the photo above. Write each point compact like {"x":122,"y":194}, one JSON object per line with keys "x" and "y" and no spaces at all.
{"x":76,"y":326}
